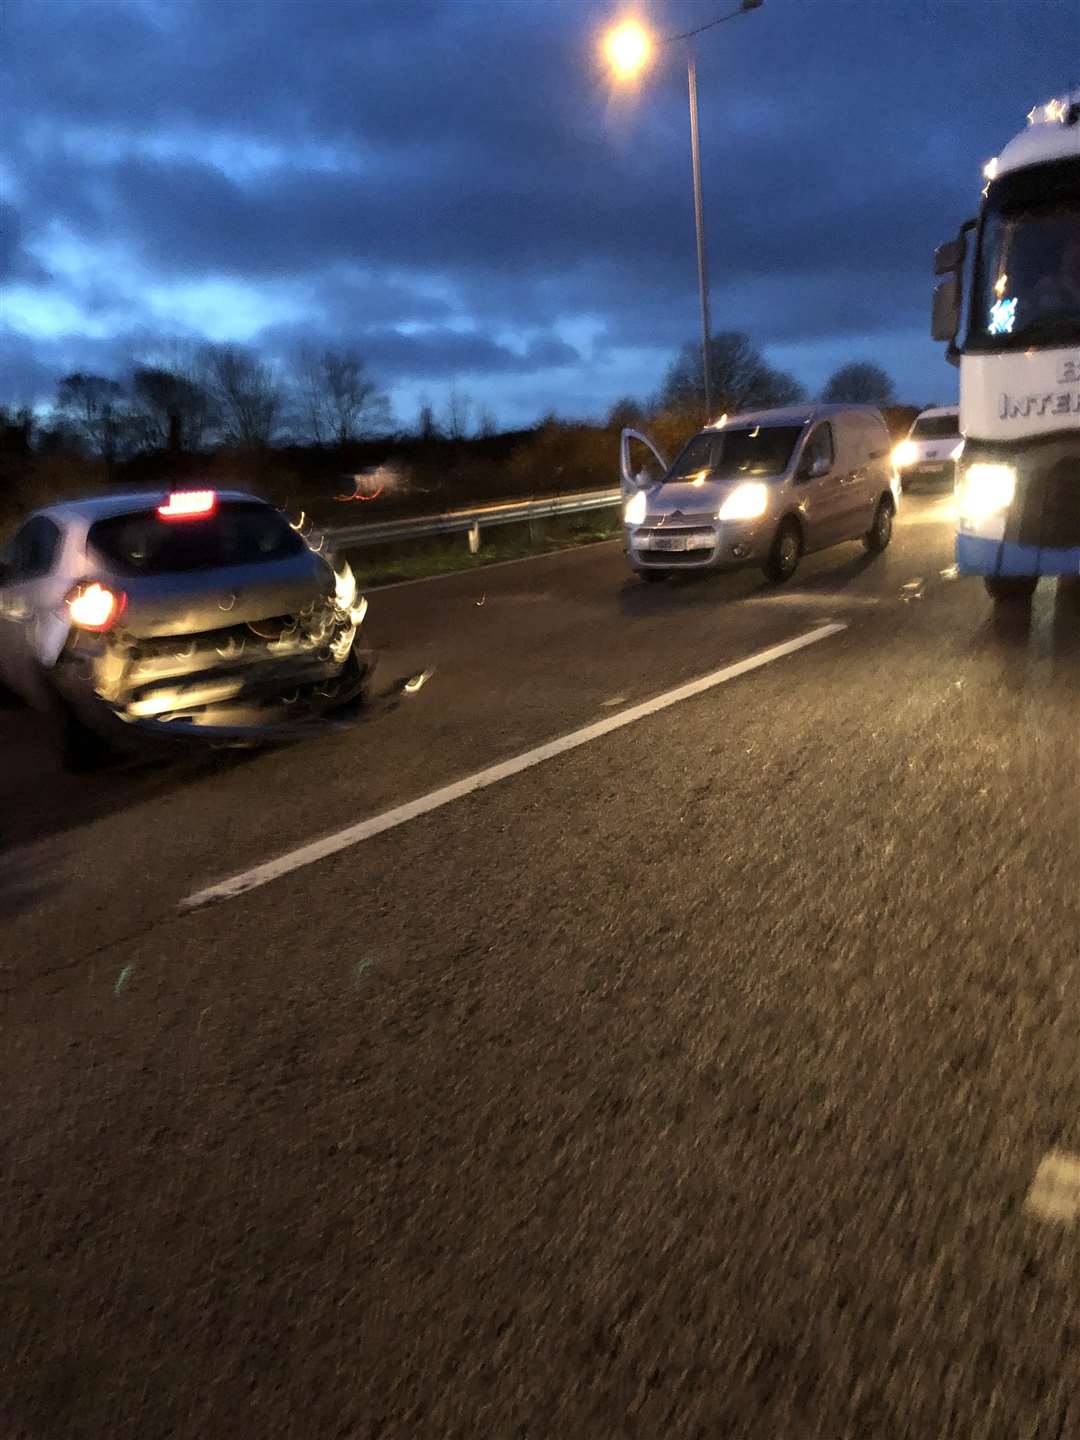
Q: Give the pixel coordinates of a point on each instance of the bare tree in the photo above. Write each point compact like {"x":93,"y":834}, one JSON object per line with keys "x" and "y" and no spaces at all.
{"x":859,"y":383}
{"x":740,"y":378}
{"x":486,"y":424}
{"x":170,"y":410}
{"x":458,"y":413}
{"x":341,"y":403}
{"x":95,"y":407}
{"x":426,"y":426}
{"x":246,"y":395}
{"x":626,"y":412}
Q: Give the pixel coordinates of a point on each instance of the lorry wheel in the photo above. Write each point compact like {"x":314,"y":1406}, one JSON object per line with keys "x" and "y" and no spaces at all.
{"x":880,"y":533}
{"x":784,"y":556}
{"x":1014,"y":589}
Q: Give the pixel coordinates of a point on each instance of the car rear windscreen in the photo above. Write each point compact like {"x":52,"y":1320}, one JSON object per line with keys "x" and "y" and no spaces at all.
{"x":936,"y":427}
{"x":235,"y":533}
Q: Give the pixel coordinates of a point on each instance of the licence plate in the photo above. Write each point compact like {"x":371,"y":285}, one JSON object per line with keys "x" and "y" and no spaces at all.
{"x":668,"y":542}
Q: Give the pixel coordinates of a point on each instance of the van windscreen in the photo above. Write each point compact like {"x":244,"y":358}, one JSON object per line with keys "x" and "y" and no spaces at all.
{"x":737,"y":452}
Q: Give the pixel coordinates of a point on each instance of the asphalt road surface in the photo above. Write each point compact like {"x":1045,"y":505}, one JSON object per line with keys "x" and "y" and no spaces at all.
{"x":691,"y":1082}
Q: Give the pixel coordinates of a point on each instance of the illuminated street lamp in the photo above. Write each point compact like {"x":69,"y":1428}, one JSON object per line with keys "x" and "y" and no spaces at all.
{"x":628,"y":48}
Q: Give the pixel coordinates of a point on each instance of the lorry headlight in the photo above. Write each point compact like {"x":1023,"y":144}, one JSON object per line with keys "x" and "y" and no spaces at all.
{"x":634,"y":511}
{"x":985,"y":490}
{"x":906,"y":453}
{"x":746,"y":502}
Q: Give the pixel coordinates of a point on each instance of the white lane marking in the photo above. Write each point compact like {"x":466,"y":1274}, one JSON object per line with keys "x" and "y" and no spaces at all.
{"x":1055,"y":1191}
{"x":355,"y":834}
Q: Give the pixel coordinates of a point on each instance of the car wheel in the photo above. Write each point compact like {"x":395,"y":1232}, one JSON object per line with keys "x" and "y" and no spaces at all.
{"x":652,"y":577}
{"x":786,"y":551}
{"x":1010,"y":589}
{"x":79,"y":749}
{"x":878,"y":536}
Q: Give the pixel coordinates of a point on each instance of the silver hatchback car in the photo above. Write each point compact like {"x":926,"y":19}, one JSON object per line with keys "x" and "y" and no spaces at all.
{"x":762,"y":488}
{"x":135,"y":618}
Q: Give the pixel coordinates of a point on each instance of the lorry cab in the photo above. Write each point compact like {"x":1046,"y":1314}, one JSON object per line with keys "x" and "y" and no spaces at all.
{"x":762,"y":488}
{"x":1018,"y":308}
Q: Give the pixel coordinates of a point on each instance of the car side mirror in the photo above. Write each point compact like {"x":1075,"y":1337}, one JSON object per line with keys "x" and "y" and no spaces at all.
{"x":946,"y":316}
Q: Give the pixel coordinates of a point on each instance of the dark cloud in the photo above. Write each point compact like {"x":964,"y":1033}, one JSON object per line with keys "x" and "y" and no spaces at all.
{"x":395,"y":165}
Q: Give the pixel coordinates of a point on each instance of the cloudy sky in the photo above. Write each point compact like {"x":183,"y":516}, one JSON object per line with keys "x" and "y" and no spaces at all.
{"x":454,"y":188}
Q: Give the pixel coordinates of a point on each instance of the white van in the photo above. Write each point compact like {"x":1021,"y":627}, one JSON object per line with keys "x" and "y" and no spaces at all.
{"x":931,"y":448}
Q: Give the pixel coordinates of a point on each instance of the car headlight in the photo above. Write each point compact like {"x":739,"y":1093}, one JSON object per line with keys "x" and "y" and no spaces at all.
{"x":746,"y":502}
{"x":956,"y":451}
{"x":906,"y":453}
{"x":634,"y":511}
{"x":986,"y":490}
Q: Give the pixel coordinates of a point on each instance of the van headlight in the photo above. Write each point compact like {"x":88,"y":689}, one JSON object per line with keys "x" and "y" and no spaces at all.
{"x":906,"y":453}
{"x":985,"y":490}
{"x":746,"y":502}
{"x":634,"y":511}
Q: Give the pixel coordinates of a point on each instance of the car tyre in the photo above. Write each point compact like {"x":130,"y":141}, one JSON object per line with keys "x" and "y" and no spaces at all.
{"x":878,"y":536}
{"x":80,"y":750}
{"x":1010,"y":589}
{"x":785,"y":554}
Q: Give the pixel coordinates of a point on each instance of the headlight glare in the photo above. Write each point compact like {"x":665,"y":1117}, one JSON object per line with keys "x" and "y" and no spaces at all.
{"x":986,"y":490}
{"x":634,"y":511}
{"x":906,"y":453}
{"x":746,"y":502}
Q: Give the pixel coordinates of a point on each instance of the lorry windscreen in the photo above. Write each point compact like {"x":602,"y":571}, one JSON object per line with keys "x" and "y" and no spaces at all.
{"x":1027,"y":279}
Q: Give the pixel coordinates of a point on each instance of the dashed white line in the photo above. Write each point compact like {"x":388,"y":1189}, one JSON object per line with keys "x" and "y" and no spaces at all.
{"x":401,"y":814}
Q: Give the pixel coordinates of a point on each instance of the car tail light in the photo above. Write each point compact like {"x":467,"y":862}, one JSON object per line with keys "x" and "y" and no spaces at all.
{"x":188,"y":504}
{"x":94,"y":606}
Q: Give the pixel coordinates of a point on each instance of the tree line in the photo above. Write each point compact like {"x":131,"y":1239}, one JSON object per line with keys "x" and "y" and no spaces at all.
{"x":223,"y":412}
{"x":740,"y":378}
{"x":218,"y":397}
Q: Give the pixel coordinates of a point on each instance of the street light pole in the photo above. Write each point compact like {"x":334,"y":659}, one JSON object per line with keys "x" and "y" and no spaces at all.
{"x":628,"y":48}
{"x":699,"y":225}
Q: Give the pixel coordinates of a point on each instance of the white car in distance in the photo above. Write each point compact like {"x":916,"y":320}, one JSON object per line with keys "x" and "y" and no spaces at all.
{"x":931,"y":447}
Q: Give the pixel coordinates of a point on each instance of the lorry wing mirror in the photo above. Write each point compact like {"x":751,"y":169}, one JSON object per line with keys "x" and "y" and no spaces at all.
{"x":946,"y":321}
{"x":950,"y":256}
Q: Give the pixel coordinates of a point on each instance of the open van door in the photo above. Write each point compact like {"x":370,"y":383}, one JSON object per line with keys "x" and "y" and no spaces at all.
{"x":640,"y":462}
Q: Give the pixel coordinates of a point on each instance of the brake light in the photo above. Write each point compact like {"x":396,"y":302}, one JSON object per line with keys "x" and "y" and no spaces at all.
{"x":95,"y":607}
{"x":187,"y":504}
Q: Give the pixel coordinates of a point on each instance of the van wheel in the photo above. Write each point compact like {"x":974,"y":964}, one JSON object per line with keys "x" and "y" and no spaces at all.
{"x":784,"y":556}
{"x":1010,"y":589}
{"x":878,"y":536}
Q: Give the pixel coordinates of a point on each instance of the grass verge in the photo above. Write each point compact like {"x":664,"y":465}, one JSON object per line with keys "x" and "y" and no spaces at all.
{"x":417,"y":559}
